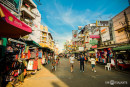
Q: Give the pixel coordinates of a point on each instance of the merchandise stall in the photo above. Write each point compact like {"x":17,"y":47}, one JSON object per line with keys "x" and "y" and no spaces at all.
{"x":33,"y":62}
{"x":14,"y":63}
{"x":122,"y":57}
{"x":104,"y":55}
{"x":13,"y":67}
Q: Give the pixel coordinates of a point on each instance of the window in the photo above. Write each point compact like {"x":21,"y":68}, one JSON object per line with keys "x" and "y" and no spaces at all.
{"x":12,"y":4}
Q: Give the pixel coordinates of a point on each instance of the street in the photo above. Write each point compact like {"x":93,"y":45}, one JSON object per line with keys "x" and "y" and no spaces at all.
{"x":62,"y":77}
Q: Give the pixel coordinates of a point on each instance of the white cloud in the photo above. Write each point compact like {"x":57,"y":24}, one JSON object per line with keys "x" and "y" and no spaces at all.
{"x":59,"y":16}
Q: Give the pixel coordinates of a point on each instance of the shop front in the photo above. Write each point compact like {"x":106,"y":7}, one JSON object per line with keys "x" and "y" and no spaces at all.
{"x":104,"y":55}
{"x":11,"y":26}
{"x":12,"y":57}
{"x":122,"y":57}
{"x":14,"y":63}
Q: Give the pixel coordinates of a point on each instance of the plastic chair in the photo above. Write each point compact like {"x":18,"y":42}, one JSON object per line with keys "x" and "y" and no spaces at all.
{"x":108,"y":66}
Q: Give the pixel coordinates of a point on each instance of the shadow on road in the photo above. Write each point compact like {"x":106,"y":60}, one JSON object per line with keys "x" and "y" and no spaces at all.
{"x":87,"y":78}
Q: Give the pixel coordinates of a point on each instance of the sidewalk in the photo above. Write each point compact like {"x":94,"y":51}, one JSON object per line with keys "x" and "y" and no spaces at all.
{"x":43,"y":78}
{"x":62,"y":77}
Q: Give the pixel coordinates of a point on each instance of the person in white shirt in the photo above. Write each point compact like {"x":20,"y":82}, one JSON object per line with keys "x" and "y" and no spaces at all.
{"x":71,"y":61}
{"x":93,"y":63}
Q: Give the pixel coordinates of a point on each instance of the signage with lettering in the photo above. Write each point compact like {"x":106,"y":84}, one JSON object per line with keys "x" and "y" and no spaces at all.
{"x":101,"y":23}
{"x":94,"y":36}
{"x":95,"y":46}
{"x":75,"y":35}
{"x":80,"y":27}
{"x":105,"y":35}
{"x":93,"y":42}
{"x":81,"y":48}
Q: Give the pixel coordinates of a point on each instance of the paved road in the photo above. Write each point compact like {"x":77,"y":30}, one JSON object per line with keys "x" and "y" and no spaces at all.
{"x":62,"y":77}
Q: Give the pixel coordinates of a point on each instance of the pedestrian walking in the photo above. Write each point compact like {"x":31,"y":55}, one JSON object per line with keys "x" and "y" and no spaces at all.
{"x":71,"y":61}
{"x":53,"y":64}
{"x":93,"y":62}
{"x":82,"y":60}
{"x":39,"y":59}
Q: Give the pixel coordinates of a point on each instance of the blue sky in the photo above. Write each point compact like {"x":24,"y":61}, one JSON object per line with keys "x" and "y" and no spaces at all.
{"x":63,"y":16}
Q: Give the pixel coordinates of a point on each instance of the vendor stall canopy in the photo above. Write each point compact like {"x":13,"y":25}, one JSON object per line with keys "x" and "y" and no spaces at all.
{"x":126,"y":47}
{"x":33,"y":44}
{"x":10,"y":26}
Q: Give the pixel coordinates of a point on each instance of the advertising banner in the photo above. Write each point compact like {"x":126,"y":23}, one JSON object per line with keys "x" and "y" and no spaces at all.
{"x":74,"y":35}
{"x":93,"y":42}
{"x":80,"y":27}
{"x":94,"y":36}
{"x":95,"y":46}
{"x":101,"y":23}
{"x":81,"y":35}
{"x":81,"y":48}
{"x":105,"y":35}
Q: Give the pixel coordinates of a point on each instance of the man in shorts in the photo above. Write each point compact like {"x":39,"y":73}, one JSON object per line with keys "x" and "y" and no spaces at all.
{"x":93,"y":63}
{"x":71,"y":61}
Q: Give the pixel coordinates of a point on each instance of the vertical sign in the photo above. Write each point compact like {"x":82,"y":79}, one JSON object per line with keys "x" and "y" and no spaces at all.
{"x":74,"y":35}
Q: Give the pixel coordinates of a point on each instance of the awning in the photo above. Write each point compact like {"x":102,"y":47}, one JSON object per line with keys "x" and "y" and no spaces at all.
{"x":106,"y":47}
{"x":10,"y":26}
{"x":16,"y":41}
{"x":32,"y":43}
{"x":126,"y":47}
{"x":91,"y":51}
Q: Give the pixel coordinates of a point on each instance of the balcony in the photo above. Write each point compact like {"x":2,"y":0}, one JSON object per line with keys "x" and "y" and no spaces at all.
{"x":31,"y":3}
{"x":27,"y":21}
{"x":27,"y":13}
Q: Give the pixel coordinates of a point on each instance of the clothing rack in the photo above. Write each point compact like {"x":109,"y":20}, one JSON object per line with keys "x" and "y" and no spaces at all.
{"x":16,"y":41}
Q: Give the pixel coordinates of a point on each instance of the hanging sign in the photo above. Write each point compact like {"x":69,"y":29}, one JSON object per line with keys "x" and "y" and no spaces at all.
{"x":93,"y":42}
{"x":101,"y":23}
{"x":74,"y":35}
{"x":80,"y":27}
{"x":94,"y":36}
{"x":81,"y":48}
{"x":95,"y":46}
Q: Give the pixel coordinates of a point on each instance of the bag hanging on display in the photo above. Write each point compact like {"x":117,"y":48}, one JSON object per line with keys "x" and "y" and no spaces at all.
{"x":26,"y":49}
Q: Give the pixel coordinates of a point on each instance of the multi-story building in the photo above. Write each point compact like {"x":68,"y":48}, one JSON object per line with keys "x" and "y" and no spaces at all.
{"x":43,"y":36}
{"x":13,"y":6}
{"x":121,"y":27}
{"x":31,"y":16}
{"x":46,"y":39}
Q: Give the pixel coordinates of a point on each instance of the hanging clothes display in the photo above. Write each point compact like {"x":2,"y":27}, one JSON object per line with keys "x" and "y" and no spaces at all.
{"x":15,"y":63}
{"x":30,"y":65}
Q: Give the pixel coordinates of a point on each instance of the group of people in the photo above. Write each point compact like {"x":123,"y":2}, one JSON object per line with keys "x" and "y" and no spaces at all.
{"x":82,"y":61}
{"x":55,"y":61}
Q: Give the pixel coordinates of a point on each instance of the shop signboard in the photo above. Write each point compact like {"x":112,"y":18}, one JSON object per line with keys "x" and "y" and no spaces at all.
{"x":95,"y":46}
{"x":94,"y":36}
{"x":100,"y":23}
{"x":81,"y":48}
{"x":80,"y":27}
{"x":105,"y":35}
{"x":81,"y":35}
{"x":93,"y":42}
{"x":74,"y":35}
